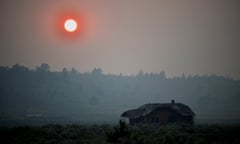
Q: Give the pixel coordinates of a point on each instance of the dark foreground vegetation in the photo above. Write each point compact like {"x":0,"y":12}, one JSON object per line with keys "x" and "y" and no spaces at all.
{"x":106,"y":134}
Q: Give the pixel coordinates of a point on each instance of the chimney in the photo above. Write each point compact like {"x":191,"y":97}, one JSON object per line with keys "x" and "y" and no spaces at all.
{"x":173,"y":101}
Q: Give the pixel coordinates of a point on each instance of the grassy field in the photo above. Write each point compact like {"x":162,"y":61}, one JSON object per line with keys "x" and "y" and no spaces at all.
{"x":104,"y":134}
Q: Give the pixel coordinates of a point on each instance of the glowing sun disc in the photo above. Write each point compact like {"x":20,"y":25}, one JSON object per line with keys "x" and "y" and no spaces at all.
{"x":70,"y":25}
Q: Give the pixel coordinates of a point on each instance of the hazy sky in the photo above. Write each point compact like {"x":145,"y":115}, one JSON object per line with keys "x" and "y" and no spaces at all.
{"x":124,"y":36}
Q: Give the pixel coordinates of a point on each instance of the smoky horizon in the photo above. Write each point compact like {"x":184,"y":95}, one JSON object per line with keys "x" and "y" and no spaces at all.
{"x":190,"y":37}
{"x":101,"y":71}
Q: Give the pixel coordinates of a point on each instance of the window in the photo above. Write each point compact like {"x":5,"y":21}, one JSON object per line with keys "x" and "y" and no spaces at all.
{"x":155,"y":120}
{"x":172,"y":119}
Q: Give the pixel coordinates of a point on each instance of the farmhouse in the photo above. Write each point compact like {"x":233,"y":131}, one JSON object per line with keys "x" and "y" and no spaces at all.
{"x":160,"y":113}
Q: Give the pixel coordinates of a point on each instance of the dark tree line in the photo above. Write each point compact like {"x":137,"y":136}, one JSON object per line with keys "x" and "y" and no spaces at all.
{"x":82,"y":96}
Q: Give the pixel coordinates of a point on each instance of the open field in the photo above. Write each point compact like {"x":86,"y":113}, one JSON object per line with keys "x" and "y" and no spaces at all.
{"x":103,"y":134}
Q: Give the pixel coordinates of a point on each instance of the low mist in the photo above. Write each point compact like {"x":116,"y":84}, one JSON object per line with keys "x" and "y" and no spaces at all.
{"x":69,"y":96}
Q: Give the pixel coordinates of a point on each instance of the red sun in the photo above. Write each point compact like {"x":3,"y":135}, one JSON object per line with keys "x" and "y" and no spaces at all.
{"x":70,"y":25}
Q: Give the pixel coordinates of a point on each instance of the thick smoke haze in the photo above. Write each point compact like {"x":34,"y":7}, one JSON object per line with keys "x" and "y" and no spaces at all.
{"x":125,"y":53}
{"x":70,"y":96}
{"x":187,"y":36}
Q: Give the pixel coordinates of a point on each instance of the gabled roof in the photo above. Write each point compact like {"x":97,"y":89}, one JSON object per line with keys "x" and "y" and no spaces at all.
{"x":148,"y":108}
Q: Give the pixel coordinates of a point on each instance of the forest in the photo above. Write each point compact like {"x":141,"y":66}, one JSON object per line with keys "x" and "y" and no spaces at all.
{"x":70,"y":96}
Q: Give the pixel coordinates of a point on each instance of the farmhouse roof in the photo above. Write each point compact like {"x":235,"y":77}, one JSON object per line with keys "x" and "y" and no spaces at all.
{"x":148,"y":108}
